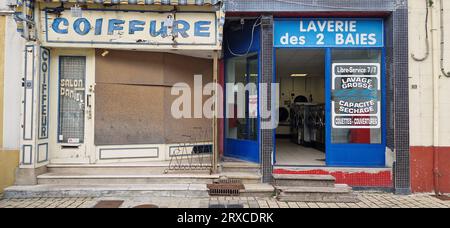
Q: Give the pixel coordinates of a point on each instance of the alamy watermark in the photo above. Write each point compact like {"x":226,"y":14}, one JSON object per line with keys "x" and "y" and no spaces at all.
{"x":243,"y":101}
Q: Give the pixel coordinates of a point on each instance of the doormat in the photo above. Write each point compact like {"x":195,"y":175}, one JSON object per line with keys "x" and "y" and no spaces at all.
{"x":443,"y":197}
{"x":146,"y":206}
{"x":109,"y":204}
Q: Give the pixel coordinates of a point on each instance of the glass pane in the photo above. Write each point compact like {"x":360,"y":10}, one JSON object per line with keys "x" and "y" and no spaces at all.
{"x":71,"y":99}
{"x":356,"y":97}
{"x":242,"y":98}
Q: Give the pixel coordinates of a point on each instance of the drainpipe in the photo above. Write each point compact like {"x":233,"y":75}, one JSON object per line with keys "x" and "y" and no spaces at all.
{"x":435,"y":108}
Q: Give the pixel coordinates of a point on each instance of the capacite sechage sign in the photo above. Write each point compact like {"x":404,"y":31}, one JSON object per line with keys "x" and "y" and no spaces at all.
{"x":356,"y":96}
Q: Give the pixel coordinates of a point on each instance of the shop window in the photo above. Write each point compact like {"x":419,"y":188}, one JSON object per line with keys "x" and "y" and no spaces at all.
{"x":356,"y":97}
{"x":71,"y":99}
{"x":242,"y":72}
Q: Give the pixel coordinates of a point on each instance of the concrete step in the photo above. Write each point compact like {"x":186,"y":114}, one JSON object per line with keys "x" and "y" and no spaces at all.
{"x":304,"y":180}
{"x":337,"y":194}
{"x":258,"y":190}
{"x":118,"y":169}
{"x":109,"y":190}
{"x":94,"y":179}
{"x":121,"y":190}
{"x":245,"y":167}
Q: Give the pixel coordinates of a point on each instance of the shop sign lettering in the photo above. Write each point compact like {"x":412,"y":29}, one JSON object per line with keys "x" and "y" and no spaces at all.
{"x":132,"y":28}
{"x":328,"y":33}
{"x":43,"y":92}
{"x":72,"y":89}
{"x":356,"y":95}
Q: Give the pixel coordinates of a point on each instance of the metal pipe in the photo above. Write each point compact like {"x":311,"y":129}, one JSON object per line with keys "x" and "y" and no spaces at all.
{"x":435,"y":113}
{"x":427,"y":42}
{"x":444,"y":72}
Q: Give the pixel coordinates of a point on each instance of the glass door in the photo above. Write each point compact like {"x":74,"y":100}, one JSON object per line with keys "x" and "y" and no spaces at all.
{"x":241,"y":125}
{"x":355,"y":108}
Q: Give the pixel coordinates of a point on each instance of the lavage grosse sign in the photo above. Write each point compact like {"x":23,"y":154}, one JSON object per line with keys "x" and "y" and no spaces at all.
{"x":356,"y":95}
{"x":328,"y":33}
{"x":108,"y":27}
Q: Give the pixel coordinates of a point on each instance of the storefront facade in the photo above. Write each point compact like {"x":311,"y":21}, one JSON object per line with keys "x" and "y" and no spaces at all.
{"x":99,"y":76}
{"x":344,"y":62}
{"x":94,"y":73}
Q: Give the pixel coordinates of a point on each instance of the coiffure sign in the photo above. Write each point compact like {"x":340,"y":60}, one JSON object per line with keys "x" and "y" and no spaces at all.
{"x":328,"y":33}
{"x":98,"y":28}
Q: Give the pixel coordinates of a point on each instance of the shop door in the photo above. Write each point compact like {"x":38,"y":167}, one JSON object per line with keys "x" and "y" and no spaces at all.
{"x":242,"y":122}
{"x":74,"y":110}
{"x":355,"y":135}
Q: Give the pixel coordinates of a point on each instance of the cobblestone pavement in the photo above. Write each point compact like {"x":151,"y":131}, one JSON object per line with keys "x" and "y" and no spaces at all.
{"x":368,"y":200}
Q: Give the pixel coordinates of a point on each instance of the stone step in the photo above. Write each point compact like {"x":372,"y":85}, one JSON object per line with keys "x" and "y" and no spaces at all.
{"x":94,"y":179}
{"x":109,"y":190}
{"x":120,"y":190}
{"x":118,"y":169}
{"x":337,"y":194}
{"x":258,"y":190}
{"x":245,"y":167}
{"x":304,"y":180}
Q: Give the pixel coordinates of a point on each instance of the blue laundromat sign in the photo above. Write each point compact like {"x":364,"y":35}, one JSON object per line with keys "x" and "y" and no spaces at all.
{"x":327,"y":32}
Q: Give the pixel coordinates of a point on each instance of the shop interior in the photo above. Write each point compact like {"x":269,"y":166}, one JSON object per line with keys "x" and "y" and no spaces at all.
{"x":300,"y":135}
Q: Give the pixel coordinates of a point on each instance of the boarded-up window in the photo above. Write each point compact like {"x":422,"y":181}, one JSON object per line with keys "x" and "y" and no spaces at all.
{"x":133,"y":97}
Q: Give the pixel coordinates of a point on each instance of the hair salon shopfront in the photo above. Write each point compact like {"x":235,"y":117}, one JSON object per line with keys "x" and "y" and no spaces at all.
{"x":98,"y":80}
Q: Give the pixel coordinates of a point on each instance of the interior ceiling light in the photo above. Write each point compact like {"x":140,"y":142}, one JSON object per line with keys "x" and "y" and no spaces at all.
{"x":299,"y":75}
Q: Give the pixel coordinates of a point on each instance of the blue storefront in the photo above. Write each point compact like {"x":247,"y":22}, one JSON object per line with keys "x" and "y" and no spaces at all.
{"x":355,"y":133}
{"x":341,"y":61}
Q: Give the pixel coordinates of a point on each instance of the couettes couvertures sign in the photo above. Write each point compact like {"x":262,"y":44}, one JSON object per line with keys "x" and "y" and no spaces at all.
{"x":131,"y":29}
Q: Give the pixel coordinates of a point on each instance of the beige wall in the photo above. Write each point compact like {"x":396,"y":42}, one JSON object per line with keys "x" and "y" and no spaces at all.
{"x":9,"y":159}
{"x":424,"y":123}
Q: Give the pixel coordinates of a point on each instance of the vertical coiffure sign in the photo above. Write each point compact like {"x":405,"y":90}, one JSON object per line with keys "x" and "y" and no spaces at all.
{"x":44,"y":92}
{"x":356,"y":95}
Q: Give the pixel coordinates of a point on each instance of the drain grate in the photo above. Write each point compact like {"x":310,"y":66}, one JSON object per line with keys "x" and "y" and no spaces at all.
{"x":225,"y":187}
{"x":109,"y":204}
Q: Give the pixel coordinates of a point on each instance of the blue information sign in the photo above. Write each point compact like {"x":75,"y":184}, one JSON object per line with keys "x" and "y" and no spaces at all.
{"x":328,"y":32}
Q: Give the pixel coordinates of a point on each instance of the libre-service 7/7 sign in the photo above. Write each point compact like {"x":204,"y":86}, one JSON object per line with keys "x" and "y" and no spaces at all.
{"x":97,"y":28}
{"x":328,"y":33}
{"x":356,"y":95}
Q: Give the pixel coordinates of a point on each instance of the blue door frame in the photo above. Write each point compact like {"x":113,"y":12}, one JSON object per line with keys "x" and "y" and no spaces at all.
{"x":247,"y":150}
{"x":347,"y":155}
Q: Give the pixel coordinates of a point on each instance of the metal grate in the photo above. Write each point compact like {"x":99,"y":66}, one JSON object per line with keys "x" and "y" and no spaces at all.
{"x":72,"y":81}
{"x":225,"y":187}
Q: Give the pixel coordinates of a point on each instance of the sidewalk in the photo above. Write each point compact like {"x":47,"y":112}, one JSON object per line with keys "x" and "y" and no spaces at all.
{"x":368,"y":200}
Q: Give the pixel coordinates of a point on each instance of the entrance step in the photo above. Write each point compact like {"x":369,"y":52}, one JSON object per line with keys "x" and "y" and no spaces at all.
{"x":95,"y":179}
{"x":245,"y":167}
{"x":140,"y":168}
{"x":311,"y":188}
{"x":336,"y":194}
{"x":109,"y":190}
{"x":134,"y":190}
{"x":304,"y":180}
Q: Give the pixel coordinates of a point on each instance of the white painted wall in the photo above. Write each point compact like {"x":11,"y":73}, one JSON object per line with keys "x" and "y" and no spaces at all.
{"x":423,"y":122}
{"x":12,"y":91}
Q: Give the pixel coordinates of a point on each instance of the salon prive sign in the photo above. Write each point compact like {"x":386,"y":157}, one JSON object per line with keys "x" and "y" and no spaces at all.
{"x":132,"y":29}
{"x":356,"y":95}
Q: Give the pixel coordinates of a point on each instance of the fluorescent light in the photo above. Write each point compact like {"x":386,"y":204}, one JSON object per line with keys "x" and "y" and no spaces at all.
{"x":299,"y":75}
